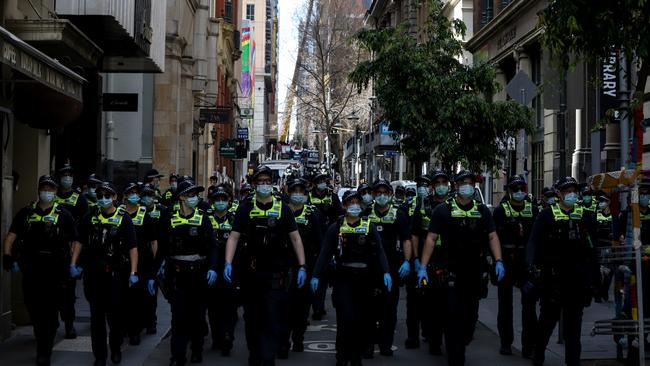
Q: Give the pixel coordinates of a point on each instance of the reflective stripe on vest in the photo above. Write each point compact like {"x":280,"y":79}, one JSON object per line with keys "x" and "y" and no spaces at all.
{"x":414,"y":204}
{"x":195,"y":220}
{"x":70,"y":201}
{"x":302,"y":219}
{"x":168,"y":195}
{"x":51,"y":217}
{"x":389,"y":218}
{"x":510,"y":212}
{"x":223,"y":226}
{"x":602,"y":218}
{"x":591,"y":207}
{"x":363,"y":228}
{"x":274,"y":212}
{"x":327,"y":200}
{"x":472,"y":213}
{"x":115,"y":220}
{"x":644,"y":217}
{"x":558,"y":215}
{"x":155,"y":213}
{"x":138,"y":220}
{"x":234,"y":206}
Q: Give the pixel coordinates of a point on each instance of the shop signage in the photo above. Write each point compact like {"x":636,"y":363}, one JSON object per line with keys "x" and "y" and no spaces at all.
{"x":609,"y":87}
{"x":227,"y":148}
{"x":242,"y":133}
{"x":215,"y":115}
{"x":120,"y":102}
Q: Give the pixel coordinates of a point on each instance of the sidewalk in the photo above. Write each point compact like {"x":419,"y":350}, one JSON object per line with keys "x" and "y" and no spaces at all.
{"x":20,"y":349}
{"x":599,"y":347}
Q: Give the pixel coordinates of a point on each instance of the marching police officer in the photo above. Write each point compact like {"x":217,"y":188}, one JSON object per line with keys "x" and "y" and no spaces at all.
{"x":109,"y":248}
{"x":561,"y":254}
{"x":189,"y":248}
{"x":155,"y":211}
{"x":139,"y":295}
{"x":514,"y":220}
{"x":310,"y":226}
{"x":393,"y":227}
{"x":399,"y":198}
{"x":357,"y":246}
{"x":548,"y":197}
{"x":152,"y":176}
{"x":168,"y":199}
{"x":466,"y":228}
{"x":77,"y":205}
{"x":38,"y":244}
{"x":223,"y":300}
{"x":427,"y":310}
{"x":365,"y":193}
{"x":324,"y":199}
{"x":274,"y":250}
{"x":91,"y":195}
{"x":587,"y":201}
{"x":604,"y":240}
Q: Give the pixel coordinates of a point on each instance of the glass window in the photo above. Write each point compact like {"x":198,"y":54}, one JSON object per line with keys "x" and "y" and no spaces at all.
{"x":250,"y":11}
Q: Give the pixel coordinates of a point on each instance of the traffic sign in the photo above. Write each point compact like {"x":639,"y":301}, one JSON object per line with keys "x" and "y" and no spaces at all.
{"x":521,"y":88}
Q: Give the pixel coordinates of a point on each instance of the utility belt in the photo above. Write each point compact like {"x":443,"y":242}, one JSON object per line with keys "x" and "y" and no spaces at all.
{"x":269,"y":280}
{"x":186,"y":263}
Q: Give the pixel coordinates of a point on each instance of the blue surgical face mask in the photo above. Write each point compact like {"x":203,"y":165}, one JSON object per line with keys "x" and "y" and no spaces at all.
{"x":264,"y":190}
{"x":92,"y":192}
{"x":147,"y":200}
{"x":220,"y":206}
{"x":382,"y":199}
{"x":586,"y":199}
{"x":602,"y":205}
{"x":104,"y":202}
{"x":398,"y":201}
{"x":519,"y":196}
{"x":192,"y":201}
{"x":173,"y":186}
{"x":551,"y":201}
{"x":298,"y":198}
{"x":321,"y":186}
{"x":354,"y":210}
{"x":466,"y":190}
{"x":423,"y":191}
{"x":133,"y":198}
{"x":442,"y":190}
{"x":644,"y":200}
{"x":570,"y":199}
{"x":367,"y":198}
{"x":46,"y":196}
{"x":409,"y":199}
{"x":66,"y":182}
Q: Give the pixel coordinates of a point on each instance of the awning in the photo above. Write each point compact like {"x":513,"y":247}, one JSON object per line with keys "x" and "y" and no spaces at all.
{"x":36,"y":65}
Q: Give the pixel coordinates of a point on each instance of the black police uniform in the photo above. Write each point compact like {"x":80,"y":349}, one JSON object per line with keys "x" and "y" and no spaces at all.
{"x":77,"y":205}
{"x":465,"y":233}
{"x":356,"y":248}
{"x":106,"y":242}
{"x":139,"y":316}
{"x":42,"y":249}
{"x":393,"y":228}
{"x":224,"y":298}
{"x":267,"y":271}
{"x":310,"y":226}
{"x":189,"y":248}
{"x":424,"y":308}
{"x":561,"y":248}
{"x":514,"y":224}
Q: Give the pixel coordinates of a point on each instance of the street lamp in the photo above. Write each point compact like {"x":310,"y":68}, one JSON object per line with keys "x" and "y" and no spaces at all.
{"x":213,"y":134}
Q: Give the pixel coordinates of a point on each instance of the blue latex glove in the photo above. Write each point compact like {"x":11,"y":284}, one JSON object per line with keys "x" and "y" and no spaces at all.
{"x":528,"y":288}
{"x":211,"y":277}
{"x":227,"y":272}
{"x":500,"y":270}
{"x":133,"y":279}
{"x":75,"y":271}
{"x":302,"y":277}
{"x":314,"y":284}
{"x":388,"y":281}
{"x":161,"y":270}
{"x":151,"y":286}
{"x":15,"y":268}
{"x":417,"y":264}
{"x":422,"y":274}
{"x":405,"y":269}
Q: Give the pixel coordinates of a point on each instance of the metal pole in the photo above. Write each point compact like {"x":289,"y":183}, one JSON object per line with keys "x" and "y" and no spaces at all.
{"x":561,"y":123}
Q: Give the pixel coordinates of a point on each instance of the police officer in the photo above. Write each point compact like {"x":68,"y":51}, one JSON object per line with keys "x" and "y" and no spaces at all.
{"x":274,"y":251}
{"x":138,"y":294}
{"x":77,"y":205}
{"x":548,"y":197}
{"x":245,"y":192}
{"x":223,"y":300}
{"x":561,"y":254}
{"x":393,"y":227}
{"x":152,"y":176}
{"x":155,"y":211}
{"x":168,"y":199}
{"x":310,"y":227}
{"x":190,"y":251}
{"x":324,"y":199}
{"x":466,"y":228}
{"x":587,"y":201}
{"x":357,"y":246}
{"x":365,"y":192}
{"x":514,"y":219}
{"x":399,"y":198}
{"x":426,"y":310}
{"x":604,"y":241}
{"x":109,"y":249}
{"x":38,"y":244}
{"x":91,"y":194}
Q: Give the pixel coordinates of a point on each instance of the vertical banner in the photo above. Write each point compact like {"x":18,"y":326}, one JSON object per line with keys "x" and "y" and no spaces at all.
{"x":608,"y":90}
